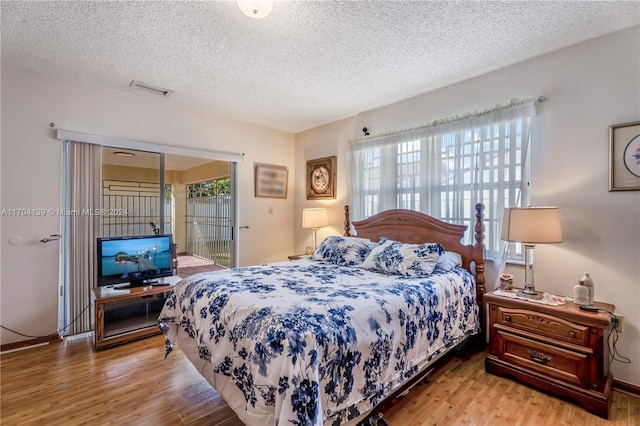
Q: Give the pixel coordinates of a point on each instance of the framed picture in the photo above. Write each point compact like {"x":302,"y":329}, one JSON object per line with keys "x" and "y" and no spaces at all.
{"x":624,"y":157}
{"x":321,"y":178}
{"x":271,"y":181}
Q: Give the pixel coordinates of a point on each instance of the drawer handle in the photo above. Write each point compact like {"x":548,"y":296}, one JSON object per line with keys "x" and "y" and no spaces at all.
{"x":539,"y":357}
{"x":572,"y":334}
{"x":507,"y":318}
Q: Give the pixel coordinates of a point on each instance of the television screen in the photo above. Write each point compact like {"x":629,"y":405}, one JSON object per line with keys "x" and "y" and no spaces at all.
{"x":136,"y":260}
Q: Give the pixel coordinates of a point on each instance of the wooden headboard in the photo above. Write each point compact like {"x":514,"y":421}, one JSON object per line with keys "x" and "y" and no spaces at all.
{"x":413,"y":227}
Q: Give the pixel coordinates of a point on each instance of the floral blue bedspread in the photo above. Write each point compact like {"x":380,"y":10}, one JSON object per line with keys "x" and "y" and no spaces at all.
{"x":311,"y":343}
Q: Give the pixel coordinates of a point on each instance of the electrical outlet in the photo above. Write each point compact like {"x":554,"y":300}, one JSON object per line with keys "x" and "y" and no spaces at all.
{"x":620,"y":322}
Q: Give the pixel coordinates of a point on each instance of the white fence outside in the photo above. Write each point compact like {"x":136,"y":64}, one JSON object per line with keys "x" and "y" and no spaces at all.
{"x":209,"y":228}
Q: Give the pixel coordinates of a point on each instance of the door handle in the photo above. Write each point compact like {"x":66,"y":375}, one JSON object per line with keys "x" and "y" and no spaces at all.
{"x":52,"y":237}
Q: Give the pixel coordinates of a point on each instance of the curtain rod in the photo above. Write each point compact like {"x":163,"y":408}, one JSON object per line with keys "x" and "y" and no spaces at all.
{"x":511,"y":104}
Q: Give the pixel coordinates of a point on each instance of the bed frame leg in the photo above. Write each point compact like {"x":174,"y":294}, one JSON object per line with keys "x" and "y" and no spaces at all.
{"x":378,"y":420}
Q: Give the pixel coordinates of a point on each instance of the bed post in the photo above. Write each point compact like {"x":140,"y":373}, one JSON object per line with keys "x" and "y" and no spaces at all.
{"x":479,"y":252}
{"x":347,"y":222}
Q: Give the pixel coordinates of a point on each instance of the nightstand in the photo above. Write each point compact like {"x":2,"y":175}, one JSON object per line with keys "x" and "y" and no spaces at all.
{"x":557,"y":349}
{"x":297,"y":256}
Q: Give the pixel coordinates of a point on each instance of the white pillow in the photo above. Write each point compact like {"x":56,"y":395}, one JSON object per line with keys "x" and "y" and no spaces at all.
{"x":393,"y":257}
{"x":447,"y":261}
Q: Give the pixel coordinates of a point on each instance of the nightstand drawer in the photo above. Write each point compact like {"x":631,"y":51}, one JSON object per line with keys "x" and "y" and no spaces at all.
{"x":550,"y":361}
{"x":298,"y":256}
{"x":543,"y":325}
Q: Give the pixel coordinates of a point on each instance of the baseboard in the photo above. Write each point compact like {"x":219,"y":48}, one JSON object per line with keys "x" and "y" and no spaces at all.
{"x":626,"y":388}
{"x":55,"y":337}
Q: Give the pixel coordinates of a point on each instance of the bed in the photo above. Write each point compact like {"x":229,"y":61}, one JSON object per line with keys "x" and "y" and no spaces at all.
{"x":324,"y":340}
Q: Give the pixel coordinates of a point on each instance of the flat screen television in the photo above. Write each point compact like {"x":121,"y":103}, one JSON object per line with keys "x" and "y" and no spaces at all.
{"x":135,"y":260}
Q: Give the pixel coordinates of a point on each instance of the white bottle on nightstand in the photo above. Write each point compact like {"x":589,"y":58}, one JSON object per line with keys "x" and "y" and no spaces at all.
{"x":581,"y":294}
{"x":588,"y":283}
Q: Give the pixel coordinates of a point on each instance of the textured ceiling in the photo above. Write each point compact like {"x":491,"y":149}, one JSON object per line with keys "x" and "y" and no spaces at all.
{"x":306,"y":64}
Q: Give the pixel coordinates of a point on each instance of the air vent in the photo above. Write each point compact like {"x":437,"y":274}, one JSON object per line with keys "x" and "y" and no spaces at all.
{"x":150,"y":89}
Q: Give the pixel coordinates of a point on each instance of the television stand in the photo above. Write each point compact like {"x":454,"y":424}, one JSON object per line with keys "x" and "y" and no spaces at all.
{"x":130,"y":313}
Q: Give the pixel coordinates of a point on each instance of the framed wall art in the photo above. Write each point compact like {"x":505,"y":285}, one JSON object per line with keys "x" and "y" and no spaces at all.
{"x":271,"y":181}
{"x":321,"y":178}
{"x":624,"y":157}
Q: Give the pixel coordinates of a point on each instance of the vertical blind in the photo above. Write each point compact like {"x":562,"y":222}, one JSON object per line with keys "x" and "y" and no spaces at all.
{"x":83,"y":179}
{"x":445,"y":168}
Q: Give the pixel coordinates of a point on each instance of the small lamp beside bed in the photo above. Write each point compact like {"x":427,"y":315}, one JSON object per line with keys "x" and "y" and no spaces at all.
{"x":531,"y":226}
{"x":314,"y":218}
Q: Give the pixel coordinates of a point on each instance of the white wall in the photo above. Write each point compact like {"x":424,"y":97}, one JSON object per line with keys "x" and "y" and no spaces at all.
{"x":31,"y":178}
{"x":589,"y":87}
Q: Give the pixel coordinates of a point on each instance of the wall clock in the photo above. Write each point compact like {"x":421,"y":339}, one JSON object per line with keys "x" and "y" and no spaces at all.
{"x":321,"y":178}
{"x":624,"y":157}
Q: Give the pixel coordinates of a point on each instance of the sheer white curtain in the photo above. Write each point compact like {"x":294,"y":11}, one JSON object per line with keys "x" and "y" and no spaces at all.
{"x":445,"y":168}
{"x":82,"y":194}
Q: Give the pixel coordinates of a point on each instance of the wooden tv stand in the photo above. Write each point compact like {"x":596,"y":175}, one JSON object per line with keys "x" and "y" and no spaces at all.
{"x":123,"y":315}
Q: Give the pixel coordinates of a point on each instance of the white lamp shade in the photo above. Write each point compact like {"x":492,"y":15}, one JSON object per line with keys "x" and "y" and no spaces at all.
{"x":257,"y":9}
{"x":314,"y":218}
{"x":532,"y":225}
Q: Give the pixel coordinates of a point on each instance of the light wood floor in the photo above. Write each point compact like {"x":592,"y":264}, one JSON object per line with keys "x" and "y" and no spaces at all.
{"x":68,"y":383}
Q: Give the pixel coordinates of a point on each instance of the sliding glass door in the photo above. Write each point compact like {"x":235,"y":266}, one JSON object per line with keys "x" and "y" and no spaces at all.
{"x":135,"y":197}
{"x":139,"y":193}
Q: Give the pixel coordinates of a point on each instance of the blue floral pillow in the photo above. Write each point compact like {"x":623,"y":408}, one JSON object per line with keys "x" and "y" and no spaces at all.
{"x":393,"y":257}
{"x":343,"y":251}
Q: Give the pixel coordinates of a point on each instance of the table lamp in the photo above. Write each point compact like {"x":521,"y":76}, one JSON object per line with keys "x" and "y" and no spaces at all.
{"x":531,"y":226}
{"x":314,"y":218}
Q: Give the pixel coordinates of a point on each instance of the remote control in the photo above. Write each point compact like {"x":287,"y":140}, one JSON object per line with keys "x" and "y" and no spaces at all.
{"x":589,"y":308}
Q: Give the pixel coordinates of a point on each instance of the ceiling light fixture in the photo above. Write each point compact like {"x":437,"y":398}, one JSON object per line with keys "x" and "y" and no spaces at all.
{"x":257,"y":9}
{"x":123,"y":154}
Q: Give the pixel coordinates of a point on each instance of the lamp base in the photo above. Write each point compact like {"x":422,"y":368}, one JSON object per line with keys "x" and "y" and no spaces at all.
{"x":530,"y":294}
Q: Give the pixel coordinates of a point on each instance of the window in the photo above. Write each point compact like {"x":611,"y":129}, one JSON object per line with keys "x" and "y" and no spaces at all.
{"x":445,"y":169}
{"x":209,"y":188}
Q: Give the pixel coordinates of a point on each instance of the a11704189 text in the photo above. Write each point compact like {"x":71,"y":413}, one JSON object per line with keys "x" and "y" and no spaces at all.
{"x":64,"y":212}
